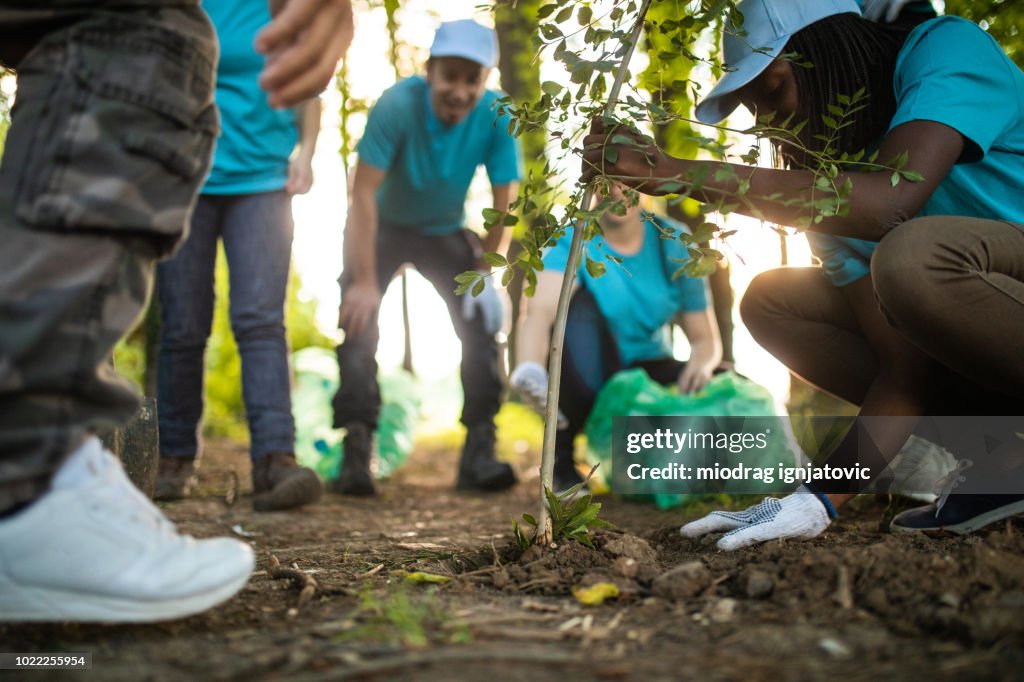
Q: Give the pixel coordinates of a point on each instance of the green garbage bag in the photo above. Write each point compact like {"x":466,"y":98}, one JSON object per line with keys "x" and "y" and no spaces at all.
{"x":318,"y":445}
{"x":634,"y":393}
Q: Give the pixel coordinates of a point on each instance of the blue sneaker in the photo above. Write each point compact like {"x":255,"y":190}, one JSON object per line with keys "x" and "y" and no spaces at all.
{"x":961,"y":514}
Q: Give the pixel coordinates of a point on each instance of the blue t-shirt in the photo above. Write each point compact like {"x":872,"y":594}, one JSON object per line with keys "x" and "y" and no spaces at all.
{"x":429,"y":164}
{"x":952,"y":72}
{"x":638,"y":296}
{"x":256,"y":140}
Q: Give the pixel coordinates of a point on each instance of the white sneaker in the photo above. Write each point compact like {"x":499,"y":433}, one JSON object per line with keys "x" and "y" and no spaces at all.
{"x":530,"y":381}
{"x":94,"y":548}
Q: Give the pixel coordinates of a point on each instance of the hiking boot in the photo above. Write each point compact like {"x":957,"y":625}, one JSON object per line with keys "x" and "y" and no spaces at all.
{"x":478,"y":468}
{"x":278,"y":483}
{"x":356,"y":476}
{"x":175,"y":478}
{"x":94,"y":548}
{"x":959,"y":513}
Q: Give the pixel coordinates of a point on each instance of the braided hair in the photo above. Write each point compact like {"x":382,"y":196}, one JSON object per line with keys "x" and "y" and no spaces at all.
{"x":848,"y":53}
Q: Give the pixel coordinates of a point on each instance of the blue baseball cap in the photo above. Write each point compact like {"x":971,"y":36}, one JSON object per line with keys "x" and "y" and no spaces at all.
{"x":749,"y":49}
{"x":466,"y":39}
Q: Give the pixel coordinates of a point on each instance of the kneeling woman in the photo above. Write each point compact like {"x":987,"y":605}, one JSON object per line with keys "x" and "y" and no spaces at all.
{"x":619,"y":320}
{"x":919,"y":306}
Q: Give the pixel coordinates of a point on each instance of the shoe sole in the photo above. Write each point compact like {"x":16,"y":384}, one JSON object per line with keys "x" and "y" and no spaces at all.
{"x":969,"y":526}
{"x":290,"y":493}
{"x":39,"y":604}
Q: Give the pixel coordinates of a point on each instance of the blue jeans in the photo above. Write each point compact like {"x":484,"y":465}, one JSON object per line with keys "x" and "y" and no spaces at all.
{"x":257,"y":232}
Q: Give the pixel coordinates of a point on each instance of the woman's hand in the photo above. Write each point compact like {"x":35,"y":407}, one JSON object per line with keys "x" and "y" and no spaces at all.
{"x":694,"y":377}
{"x":625,"y":155}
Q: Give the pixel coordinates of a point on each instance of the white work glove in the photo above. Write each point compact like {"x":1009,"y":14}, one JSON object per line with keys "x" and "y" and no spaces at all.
{"x":800,"y":515}
{"x":875,"y":9}
{"x":530,"y":381}
{"x":489,"y":305}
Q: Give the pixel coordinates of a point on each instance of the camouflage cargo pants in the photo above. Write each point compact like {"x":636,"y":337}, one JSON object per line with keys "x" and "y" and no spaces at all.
{"x":110,"y":137}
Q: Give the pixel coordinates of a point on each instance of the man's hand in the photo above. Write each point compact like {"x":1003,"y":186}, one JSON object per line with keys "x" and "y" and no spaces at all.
{"x":624,"y":155}
{"x":300,"y":175}
{"x":694,"y":377}
{"x":800,"y":515}
{"x":303,"y":44}
{"x":488,"y":303}
{"x":359,"y":305}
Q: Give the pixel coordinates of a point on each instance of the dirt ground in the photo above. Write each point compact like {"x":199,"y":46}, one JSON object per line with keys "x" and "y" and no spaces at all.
{"x":856,"y":603}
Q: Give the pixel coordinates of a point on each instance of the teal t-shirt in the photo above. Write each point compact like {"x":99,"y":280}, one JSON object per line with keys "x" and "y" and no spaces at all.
{"x":256,"y":140}
{"x":637,"y":297}
{"x":952,"y":72}
{"x":429,"y":165}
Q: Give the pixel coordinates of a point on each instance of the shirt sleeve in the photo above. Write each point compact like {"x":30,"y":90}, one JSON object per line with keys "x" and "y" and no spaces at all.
{"x":693,"y":297}
{"x":957,"y":75}
{"x":504,"y":163}
{"x":384,"y":131}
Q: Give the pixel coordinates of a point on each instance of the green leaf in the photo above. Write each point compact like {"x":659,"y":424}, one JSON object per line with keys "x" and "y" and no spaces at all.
{"x":495,"y":260}
{"x":584,"y":15}
{"x":551,"y":88}
{"x":478,"y":288}
{"x":895,"y":179}
{"x":594,"y":268}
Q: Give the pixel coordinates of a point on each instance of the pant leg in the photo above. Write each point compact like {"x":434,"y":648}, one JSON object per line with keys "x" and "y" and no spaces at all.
{"x":807,"y":323}
{"x":955,"y":287}
{"x":98,"y":177}
{"x":258,"y":232}
{"x":440,"y":260}
{"x":185,"y":289}
{"x":589,"y":358}
{"x":358,"y":396}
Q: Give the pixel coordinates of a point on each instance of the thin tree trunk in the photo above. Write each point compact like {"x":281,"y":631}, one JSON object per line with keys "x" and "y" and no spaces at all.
{"x":547,"y":463}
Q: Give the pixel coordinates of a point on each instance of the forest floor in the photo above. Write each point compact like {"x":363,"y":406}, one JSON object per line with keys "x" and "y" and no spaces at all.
{"x":855,"y":603}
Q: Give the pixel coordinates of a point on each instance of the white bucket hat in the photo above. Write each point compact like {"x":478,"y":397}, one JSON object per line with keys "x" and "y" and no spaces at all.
{"x":748,"y":50}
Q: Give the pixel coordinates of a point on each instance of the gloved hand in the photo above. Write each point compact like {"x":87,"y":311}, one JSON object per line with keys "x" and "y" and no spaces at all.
{"x":874,"y":9}
{"x":488,"y":303}
{"x":800,"y":515}
{"x":530,"y":381}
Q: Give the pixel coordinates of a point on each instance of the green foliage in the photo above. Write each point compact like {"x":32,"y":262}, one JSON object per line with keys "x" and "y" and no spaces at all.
{"x":573,"y":516}
{"x":417,"y":620}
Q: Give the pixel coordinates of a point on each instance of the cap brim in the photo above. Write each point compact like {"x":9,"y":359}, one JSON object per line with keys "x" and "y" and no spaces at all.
{"x":486,"y":63}
{"x":722,"y":101}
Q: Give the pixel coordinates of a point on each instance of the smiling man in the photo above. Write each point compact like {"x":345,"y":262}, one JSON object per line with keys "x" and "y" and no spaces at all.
{"x":424,"y":140}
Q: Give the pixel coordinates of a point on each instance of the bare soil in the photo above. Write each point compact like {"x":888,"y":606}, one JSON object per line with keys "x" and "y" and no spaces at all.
{"x":856,"y":603}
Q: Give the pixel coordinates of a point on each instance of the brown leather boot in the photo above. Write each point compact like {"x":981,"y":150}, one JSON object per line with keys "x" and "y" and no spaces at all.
{"x":175,"y":478}
{"x":279,"y":483}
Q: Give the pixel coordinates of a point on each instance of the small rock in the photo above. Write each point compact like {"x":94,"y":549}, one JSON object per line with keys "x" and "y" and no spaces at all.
{"x":723,"y":610}
{"x":759,"y":584}
{"x":632,"y":547}
{"x":683,"y":581}
{"x":834,"y":648}
{"x":950,"y":599}
{"x":626,"y":566}
{"x":501,"y":578}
